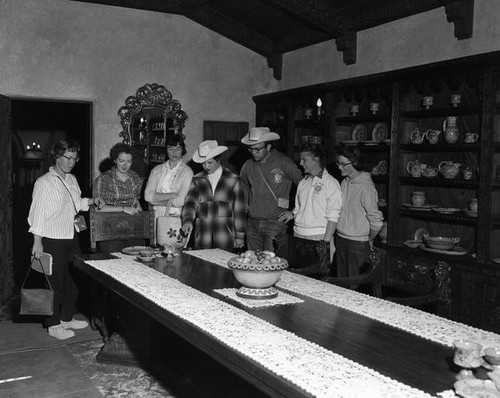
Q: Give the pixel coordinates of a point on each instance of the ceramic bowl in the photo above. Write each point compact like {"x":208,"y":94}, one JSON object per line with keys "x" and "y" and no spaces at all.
{"x":492,"y":355}
{"x":256,"y":275}
{"x":440,"y":242}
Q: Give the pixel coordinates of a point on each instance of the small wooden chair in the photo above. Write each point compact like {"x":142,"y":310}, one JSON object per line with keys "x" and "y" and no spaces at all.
{"x":120,"y":226}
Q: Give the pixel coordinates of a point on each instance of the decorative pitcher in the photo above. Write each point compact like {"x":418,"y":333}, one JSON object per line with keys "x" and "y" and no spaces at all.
{"x":450,"y":129}
{"x":449,"y":169}
{"x":417,"y":137}
{"x":415,"y":168}
{"x":433,"y":136}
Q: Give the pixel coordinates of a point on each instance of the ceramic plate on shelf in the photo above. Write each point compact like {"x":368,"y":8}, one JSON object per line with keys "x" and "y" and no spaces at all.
{"x":412,"y":243}
{"x":349,"y":142}
{"x":388,"y":141}
{"x":380,"y":132}
{"x":456,"y":251}
{"x":134,"y":250}
{"x":446,"y":210}
{"x":476,"y":388}
{"x":359,"y":133}
{"x":419,"y":208}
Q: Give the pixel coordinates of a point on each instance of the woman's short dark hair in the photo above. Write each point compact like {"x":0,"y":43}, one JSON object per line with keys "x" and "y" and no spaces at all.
{"x":63,"y":146}
{"x":316,"y":150}
{"x":353,"y":155}
{"x":119,"y":148}
{"x":176,"y":139}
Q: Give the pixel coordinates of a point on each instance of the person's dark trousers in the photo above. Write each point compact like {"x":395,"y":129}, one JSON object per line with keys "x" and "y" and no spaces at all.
{"x":264,"y":234}
{"x":352,"y":257}
{"x":65,"y":290}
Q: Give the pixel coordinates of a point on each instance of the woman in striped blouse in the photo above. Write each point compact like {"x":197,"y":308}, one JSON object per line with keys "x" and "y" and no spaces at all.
{"x":56,"y":202}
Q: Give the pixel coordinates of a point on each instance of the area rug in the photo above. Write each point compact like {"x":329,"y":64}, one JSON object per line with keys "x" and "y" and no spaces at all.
{"x":16,"y":336}
{"x":43,"y":373}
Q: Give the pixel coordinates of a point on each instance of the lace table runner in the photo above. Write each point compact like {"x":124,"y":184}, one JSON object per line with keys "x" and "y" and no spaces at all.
{"x":282,"y":299}
{"x":411,"y":320}
{"x":315,"y":370}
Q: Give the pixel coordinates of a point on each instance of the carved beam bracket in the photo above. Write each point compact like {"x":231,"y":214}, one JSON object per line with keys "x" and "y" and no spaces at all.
{"x":347,"y":43}
{"x":275,"y":62}
{"x":461,"y":14}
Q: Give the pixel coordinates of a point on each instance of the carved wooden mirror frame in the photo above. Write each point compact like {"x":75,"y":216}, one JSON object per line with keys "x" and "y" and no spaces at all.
{"x":151,"y":95}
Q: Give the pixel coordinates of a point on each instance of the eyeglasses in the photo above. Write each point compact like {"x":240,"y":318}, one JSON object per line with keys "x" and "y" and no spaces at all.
{"x":343,"y":164}
{"x":174,"y":148}
{"x":256,"y":150}
{"x":71,"y":158}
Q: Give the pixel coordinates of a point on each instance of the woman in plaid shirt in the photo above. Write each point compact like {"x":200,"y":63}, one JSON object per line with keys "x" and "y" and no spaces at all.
{"x":118,"y":190}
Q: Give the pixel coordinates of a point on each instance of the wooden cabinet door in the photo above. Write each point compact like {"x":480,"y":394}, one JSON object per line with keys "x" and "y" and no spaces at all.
{"x":6,"y":260}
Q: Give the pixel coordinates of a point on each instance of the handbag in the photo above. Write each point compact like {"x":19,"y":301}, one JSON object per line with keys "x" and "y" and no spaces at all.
{"x":37,"y":301}
{"x":79,"y":221}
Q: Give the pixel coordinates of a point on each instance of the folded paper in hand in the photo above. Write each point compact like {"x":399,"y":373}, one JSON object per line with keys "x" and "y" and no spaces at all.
{"x":46,"y":261}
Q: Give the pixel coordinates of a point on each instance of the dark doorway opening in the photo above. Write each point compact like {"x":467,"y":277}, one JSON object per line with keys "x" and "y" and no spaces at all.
{"x":44,"y":122}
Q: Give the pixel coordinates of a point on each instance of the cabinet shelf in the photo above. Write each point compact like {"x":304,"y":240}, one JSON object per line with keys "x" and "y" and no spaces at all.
{"x":442,"y":112}
{"x":346,"y":120}
{"x":440,"y":182}
{"x":430,"y":215}
{"x":308,"y":123}
{"x":158,"y":146}
{"x":476,"y":147}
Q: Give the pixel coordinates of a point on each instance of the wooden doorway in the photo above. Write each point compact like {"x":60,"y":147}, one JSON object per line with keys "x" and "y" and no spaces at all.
{"x":42,"y":122}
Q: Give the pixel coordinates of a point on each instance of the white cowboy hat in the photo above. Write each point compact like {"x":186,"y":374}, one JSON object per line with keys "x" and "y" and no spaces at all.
{"x":257,"y":135}
{"x":207,"y":150}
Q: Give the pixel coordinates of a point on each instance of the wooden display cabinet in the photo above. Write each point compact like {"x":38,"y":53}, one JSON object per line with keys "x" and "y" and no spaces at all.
{"x":475,"y":270}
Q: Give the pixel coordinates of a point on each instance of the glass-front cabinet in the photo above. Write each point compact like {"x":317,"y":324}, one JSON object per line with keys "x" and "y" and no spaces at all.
{"x":148,"y":119}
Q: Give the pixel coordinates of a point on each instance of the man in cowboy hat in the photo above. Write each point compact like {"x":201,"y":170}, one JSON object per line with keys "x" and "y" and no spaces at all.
{"x":266,"y":180}
{"x":215,"y":202}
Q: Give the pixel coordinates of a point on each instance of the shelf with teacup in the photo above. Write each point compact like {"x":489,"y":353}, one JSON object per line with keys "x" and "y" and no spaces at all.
{"x":347,"y":120}
{"x":457,"y":182}
{"x":442,"y":112}
{"x":444,"y":147}
{"x":308,"y":123}
{"x":428,"y":214}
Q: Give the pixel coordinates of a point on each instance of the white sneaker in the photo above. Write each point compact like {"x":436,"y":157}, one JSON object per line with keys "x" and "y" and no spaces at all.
{"x":74,"y":324}
{"x":60,"y":333}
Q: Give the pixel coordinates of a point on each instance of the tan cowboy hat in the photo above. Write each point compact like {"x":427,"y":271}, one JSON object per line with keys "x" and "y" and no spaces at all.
{"x":257,"y":135}
{"x":207,"y":150}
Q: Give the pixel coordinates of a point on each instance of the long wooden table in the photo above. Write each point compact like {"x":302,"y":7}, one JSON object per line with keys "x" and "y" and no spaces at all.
{"x":394,"y":353}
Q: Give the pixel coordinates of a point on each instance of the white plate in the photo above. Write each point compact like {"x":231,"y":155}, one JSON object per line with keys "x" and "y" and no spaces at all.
{"x":419,"y":208}
{"x":380,"y":132}
{"x":359,"y":133}
{"x":134,"y":250}
{"x":476,"y":388}
{"x":146,"y":259}
{"x":446,"y":210}
{"x":456,"y":251}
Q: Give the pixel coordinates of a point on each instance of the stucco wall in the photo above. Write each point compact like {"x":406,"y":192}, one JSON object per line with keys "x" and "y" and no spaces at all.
{"x":415,"y":40}
{"x":76,"y":51}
